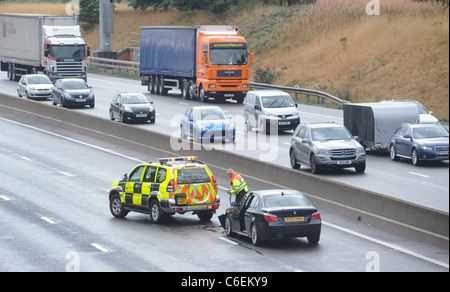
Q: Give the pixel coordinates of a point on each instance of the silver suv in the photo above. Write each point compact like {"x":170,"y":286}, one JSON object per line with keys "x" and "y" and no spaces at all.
{"x":326,"y":145}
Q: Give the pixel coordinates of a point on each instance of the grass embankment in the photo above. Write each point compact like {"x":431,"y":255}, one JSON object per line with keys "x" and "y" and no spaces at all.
{"x":332,"y":45}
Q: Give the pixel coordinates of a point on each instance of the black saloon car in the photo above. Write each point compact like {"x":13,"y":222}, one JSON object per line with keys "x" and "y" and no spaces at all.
{"x":128,"y":107}
{"x":269,"y":214}
{"x":72,"y":92}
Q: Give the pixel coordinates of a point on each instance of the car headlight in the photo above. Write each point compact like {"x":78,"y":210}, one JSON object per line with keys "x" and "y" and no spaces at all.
{"x":360,"y":150}
{"x":32,"y":88}
{"x":91,"y":95}
{"x":128,"y":110}
{"x":203,"y":128}
{"x":212,"y":86}
{"x":324,"y":152}
{"x":426,"y":148}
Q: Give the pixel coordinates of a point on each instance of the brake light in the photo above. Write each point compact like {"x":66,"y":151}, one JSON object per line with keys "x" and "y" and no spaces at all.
{"x":315,"y":216}
{"x":270,"y":218}
{"x":170,"y":186}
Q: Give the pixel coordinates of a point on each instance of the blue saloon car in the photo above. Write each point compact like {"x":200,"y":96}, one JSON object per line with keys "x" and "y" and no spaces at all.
{"x":420,"y":142}
{"x":207,"y":123}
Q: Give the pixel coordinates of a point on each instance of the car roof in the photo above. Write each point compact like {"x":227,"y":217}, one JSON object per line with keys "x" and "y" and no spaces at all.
{"x":200,"y":107}
{"x":324,"y":125}
{"x":277,"y":191}
{"x":423,"y":125}
{"x":72,"y":79}
{"x":269,"y":92}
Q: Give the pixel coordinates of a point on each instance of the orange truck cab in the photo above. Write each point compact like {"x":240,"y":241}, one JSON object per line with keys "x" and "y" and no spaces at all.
{"x":202,"y":61}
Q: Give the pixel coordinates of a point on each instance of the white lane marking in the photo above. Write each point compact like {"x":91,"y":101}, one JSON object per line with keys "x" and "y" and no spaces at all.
{"x":99,"y":247}
{"x":183,"y":103}
{"x":319,"y":115}
{"x":25,"y":158}
{"x":391,"y":246}
{"x":418,"y":174}
{"x":4,"y":198}
{"x":229,"y":241}
{"x":48,"y":220}
{"x":66,"y":174}
{"x":325,"y":223}
{"x":75,"y":141}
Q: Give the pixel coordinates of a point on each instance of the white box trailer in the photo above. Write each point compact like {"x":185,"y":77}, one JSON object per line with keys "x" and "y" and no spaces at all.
{"x":28,"y":40}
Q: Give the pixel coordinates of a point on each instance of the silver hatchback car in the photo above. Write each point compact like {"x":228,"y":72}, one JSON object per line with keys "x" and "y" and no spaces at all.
{"x":326,"y":145}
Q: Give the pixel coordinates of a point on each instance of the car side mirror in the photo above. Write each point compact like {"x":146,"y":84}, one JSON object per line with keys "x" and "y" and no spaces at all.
{"x":356,"y":138}
{"x":306,"y":141}
{"x":125,"y":177}
{"x":257,"y":107}
{"x":407,"y":136}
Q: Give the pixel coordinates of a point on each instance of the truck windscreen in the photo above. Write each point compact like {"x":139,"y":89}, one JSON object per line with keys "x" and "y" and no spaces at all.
{"x":68,"y":52}
{"x":229,"y":56}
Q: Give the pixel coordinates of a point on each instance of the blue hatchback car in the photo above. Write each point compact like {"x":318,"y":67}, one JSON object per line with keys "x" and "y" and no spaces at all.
{"x":207,"y":123}
{"x":420,"y":142}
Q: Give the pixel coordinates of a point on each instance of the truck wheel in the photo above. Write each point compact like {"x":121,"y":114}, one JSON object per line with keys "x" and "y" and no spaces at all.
{"x":161,"y":85}
{"x":192,"y":91}
{"x":203,"y":97}
{"x":151,"y":89}
{"x":185,"y":89}
{"x":155,"y":212}
{"x":116,"y":208}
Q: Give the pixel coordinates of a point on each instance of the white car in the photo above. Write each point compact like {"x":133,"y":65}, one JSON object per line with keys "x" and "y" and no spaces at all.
{"x":35,"y":86}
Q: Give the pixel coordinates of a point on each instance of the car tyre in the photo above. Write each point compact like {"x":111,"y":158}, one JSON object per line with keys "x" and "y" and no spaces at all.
{"x":116,"y":207}
{"x":393,"y":153}
{"x":255,"y":235}
{"x":205,"y":216}
{"x":315,"y":167}
{"x":415,"y":157}
{"x":361,"y":168}
{"x":229,"y":227}
{"x":313,"y":239}
{"x":294,"y":163}
{"x":156,"y":213}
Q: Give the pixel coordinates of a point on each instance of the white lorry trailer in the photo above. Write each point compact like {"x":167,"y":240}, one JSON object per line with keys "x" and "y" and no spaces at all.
{"x":34,"y":43}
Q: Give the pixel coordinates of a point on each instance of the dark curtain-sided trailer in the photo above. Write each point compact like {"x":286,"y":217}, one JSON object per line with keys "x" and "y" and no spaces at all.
{"x":374,"y":123}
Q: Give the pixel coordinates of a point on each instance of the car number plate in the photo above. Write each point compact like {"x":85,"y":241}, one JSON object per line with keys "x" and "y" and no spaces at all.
{"x":284,"y":123}
{"x":344,"y":162}
{"x":443,"y":153}
{"x":141,"y":115}
{"x":229,"y":95}
{"x":181,"y":201}
{"x":81,"y":100}
{"x":294,"y":219}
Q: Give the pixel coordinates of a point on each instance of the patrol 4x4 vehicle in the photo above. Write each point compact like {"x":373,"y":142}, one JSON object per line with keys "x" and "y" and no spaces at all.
{"x":173,"y":185}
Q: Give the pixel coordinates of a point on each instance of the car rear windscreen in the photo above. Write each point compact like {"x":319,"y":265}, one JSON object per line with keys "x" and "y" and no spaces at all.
{"x":193,"y":176}
{"x":283,"y":200}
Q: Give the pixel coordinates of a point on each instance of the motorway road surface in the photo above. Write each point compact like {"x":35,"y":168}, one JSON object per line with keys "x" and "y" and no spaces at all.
{"x":55,"y":217}
{"x":427,"y":185}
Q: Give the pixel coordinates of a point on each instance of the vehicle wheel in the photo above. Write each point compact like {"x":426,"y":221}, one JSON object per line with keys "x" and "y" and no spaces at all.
{"x":161,"y":86}
{"x":111,"y":115}
{"x":203,"y":97}
{"x":415,"y":157}
{"x":122,"y":119}
{"x":205,"y":216}
{"x":315,"y":168}
{"x":248,"y":125}
{"x":256,"y":240}
{"x":229,"y":227}
{"x":182,"y":133}
{"x":116,"y":208}
{"x":155,"y":212}
{"x":313,"y":239}
{"x":150,"y":88}
{"x":18,"y":93}
{"x":360,"y":168}
{"x":185,"y":89}
{"x":392,"y":153}
{"x":53,"y":100}
{"x":294,"y":163}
